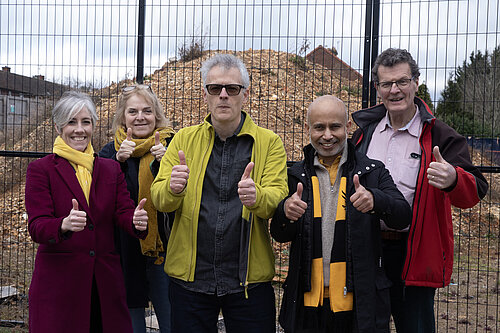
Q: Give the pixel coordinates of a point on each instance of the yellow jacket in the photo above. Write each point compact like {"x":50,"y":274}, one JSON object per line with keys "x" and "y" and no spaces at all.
{"x":256,"y":264}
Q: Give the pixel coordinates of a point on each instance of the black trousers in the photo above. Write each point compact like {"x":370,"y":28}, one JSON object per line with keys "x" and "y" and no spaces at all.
{"x":198,"y":313}
{"x":95,"y":310}
{"x":412,"y":308}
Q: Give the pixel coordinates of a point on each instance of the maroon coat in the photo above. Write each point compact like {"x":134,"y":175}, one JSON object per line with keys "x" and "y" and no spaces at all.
{"x":65,"y":265}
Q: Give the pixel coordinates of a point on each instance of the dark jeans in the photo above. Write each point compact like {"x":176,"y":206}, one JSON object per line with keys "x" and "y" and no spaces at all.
{"x":159,"y":283}
{"x":197,"y":313}
{"x":412,"y":308}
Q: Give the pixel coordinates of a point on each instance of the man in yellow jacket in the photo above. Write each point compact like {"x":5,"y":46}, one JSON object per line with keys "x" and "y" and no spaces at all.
{"x":223,"y":178}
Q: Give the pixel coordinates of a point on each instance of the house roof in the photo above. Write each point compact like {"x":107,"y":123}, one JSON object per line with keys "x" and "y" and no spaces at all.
{"x":324,"y":56}
{"x":36,"y":86}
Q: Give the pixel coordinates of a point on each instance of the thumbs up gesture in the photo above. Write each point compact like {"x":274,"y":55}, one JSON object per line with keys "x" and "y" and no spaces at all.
{"x":246,"y":187}
{"x":294,"y":206}
{"x":157,"y":150}
{"x":126,"y":148}
{"x":76,"y":220}
{"x":440,"y":173}
{"x":180,"y":174}
{"x":140,"y":219}
{"x":362,"y":199}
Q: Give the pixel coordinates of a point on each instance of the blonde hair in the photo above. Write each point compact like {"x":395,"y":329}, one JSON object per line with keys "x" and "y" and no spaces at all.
{"x":145,"y":92}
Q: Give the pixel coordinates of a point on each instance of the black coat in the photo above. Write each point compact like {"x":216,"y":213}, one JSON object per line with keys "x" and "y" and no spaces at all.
{"x":365,"y":272}
{"x":132,"y":261}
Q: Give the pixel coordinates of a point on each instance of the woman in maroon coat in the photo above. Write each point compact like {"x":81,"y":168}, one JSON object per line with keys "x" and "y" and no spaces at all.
{"x":73,"y":200}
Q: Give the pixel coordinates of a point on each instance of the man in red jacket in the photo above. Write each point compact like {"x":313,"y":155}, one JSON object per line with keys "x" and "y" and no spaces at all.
{"x":431,"y":166}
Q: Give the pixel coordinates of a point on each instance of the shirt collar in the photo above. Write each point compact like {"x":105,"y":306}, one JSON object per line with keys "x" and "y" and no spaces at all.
{"x":413,"y":126}
{"x":236,"y":132}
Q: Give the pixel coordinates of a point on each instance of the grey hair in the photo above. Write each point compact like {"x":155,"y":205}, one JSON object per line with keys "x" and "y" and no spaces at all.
{"x":392,"y":57}
{"x":227,"y":61}
{"x":70,"y":103}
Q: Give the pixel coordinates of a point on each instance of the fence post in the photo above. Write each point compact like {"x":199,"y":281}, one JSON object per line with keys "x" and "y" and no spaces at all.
{"x":370,"y":51}
{"x":140,"y":41}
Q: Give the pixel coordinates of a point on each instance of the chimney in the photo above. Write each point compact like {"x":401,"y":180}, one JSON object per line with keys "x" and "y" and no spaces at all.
{"x":6,"y":69}
{"x":39,"y":77}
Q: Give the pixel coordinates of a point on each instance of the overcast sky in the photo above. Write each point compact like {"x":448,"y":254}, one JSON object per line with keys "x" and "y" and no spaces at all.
{"x":95,"y":41}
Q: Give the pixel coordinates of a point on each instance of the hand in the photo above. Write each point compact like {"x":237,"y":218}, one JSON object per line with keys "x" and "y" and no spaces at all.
{"x":362,"y":199}
{"x":157,"y":150}
{"x":294,"y":206}
{"x":180,"y":175}
{"x":440,"y":173}
{"x":246,"y":187}
{"x":140,"y":219}
{"x":76,"y":220}
{"x":126,"y":148}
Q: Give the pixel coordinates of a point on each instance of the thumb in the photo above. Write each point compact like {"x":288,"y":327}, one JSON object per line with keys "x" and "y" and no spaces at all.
{"x":355,"y":180}
{"x":157,"y":138}
{"x":437,"y":155}
{"x":300,"y":188}
{"x":75,"y":204}
{"x":141,"y":204}
{"x":129,"y":134}
{"x":182,"y":157}
{"x":248,"y":170}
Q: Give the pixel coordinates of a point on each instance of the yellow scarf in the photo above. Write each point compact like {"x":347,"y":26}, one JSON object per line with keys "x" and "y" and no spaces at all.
{"x":82,"y":162}
{"x":152,"y":245}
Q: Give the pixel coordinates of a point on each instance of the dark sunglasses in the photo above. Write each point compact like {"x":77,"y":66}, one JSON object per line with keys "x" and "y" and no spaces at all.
{"x":137,"y":86}
{"x":231,"y":89}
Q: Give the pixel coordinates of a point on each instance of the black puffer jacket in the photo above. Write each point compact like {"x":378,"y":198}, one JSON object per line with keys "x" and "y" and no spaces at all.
{"x":365,"y":272}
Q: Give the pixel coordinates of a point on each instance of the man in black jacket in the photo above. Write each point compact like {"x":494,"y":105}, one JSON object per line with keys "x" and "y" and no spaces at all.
{"x":336,"y":280}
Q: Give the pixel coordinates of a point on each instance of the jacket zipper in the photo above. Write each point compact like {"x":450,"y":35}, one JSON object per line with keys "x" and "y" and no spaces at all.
{"x":416,"y":208}
{"x":194,"y":207}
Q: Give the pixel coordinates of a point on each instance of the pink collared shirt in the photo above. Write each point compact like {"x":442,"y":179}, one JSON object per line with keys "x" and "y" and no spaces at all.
{"x":400,"y":151}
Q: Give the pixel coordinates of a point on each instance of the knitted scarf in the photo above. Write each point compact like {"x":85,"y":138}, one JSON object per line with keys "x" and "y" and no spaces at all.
{"x":82,"y":162}
{"x":152,"y":245}
{"x":341,"y":301}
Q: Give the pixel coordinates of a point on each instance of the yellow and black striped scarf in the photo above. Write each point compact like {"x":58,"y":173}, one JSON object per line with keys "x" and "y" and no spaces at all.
{"x":340,"y":299}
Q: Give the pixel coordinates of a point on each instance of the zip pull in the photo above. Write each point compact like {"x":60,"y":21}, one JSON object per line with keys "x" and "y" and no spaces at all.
{"x":380,"y":262}
{"x":345,"y":291}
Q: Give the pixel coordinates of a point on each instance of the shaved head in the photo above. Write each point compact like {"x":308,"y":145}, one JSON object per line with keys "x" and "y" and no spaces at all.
{"x":324,"y":100}
{"x":327,"y":125}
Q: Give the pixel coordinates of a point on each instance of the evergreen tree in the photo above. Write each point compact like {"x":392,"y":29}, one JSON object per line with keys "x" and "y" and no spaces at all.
{"x":472,"y":95}
{"x":423,"y":93}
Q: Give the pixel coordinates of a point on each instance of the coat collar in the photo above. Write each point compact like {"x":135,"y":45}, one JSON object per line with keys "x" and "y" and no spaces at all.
{"x":67,"y":173}
{"x":248,"y":128}
{"x":359,"y":163}
{"x":367,"y":116}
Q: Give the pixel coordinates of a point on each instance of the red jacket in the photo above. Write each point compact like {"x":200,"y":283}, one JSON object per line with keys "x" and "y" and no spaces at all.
{"x":65,"y":265}
{"x":429,"y":258}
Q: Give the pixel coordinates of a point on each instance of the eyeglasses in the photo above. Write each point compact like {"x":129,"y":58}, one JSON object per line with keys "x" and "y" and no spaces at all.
{"x":231,"y":89}
{"x":387,"y":85}
{"x":136,"y":86}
